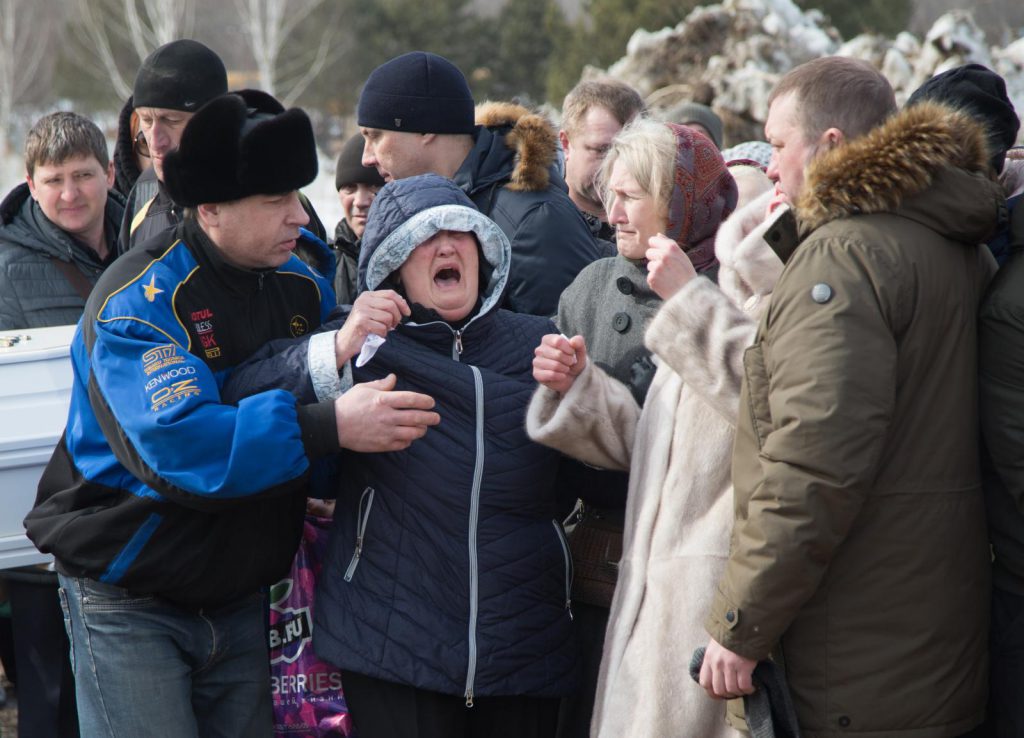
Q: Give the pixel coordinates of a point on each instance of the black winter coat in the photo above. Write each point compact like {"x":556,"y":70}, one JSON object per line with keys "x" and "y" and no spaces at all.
{"x":1001,"y":389}
{"x":511,"y":177}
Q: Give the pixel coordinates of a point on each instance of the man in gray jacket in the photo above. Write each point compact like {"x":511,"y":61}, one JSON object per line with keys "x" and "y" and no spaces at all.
{"x":58,"y":229}
{"x":58,"y":232}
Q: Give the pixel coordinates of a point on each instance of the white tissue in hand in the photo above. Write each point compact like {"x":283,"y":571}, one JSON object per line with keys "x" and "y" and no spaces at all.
{"x":370,"y":346}
{"x":574,"y":355}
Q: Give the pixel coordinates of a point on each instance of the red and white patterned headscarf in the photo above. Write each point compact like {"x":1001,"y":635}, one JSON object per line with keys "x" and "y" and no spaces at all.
{"x":703,"y":195}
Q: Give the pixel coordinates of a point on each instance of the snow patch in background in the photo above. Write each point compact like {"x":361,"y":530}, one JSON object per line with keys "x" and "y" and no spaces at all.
{"x":730,"y":55}
{"x":324,"y":197}
{"x":12,"y":172}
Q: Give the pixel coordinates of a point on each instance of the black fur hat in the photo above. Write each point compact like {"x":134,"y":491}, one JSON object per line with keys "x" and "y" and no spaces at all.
{"x":240,"y":144}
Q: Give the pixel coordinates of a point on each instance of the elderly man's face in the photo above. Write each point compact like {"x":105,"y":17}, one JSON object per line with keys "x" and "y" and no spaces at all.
{"x":256,"y":232}
{"x":585,"y":149}
{"x":356,"y":200}
{"x":162,"y":129}
{"x":791,"y":150}
{"x":443,"y":273}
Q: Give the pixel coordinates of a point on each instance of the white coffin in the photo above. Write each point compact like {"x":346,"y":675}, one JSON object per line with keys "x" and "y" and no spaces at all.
{"x":35,"y":390}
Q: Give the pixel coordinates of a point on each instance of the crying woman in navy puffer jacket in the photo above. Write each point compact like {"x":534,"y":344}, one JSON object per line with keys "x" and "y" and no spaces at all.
{"x":447,"y":568}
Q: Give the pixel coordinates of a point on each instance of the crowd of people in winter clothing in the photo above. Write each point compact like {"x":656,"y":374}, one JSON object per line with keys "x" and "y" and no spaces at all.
{"x":623,"y":433}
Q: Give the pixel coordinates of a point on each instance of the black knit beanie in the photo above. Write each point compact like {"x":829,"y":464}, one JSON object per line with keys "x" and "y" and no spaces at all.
{"x":981,"y":93}
{"x":350,"y":169}
{"x":417,"y":92}
{"x":182,"y":75}
{"x":241,"y":144}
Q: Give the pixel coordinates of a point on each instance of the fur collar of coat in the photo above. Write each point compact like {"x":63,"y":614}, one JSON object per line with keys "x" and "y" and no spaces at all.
{"x":531,"y":136}
{"x":877,"y":172}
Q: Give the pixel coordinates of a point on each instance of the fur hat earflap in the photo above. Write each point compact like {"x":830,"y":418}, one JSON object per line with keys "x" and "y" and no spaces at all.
{"x":241,"y":144}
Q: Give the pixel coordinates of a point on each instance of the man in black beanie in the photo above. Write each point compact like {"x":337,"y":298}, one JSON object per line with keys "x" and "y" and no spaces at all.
{"x":357,"y":187}
{"x":171,"y":85}
{"x":981,"y":93}
{"x":416,"y":114}
{"x":167,"y":508}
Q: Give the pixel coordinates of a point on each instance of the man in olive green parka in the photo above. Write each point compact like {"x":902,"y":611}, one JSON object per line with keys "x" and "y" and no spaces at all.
{"x":859,"y":556}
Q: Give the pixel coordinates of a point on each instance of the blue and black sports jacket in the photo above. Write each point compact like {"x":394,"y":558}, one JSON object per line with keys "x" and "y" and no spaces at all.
{"x":157,"y":485}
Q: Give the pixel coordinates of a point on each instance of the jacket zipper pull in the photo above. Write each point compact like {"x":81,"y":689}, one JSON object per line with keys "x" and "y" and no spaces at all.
{"x":351,"y":570}
{"x":458,"y":350}
{"x":362,"y":517}
{"x":259,"y":284}
{"x":469,"y":698}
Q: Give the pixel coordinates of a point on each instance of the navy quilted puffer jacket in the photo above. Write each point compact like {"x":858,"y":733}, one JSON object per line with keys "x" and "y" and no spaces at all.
{"x":447,"y":568}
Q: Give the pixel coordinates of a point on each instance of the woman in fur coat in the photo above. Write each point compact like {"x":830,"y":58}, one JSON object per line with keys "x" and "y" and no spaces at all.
{"x":678,"y":450}
{"x":657,"y":176}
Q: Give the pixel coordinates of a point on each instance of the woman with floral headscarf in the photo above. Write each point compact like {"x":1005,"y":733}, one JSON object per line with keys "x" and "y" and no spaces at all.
{"x":652,"y":174}
{"x":667,"y":203}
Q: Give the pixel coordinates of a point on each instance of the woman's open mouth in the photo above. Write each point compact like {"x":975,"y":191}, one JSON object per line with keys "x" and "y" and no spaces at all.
{"x":448,"y":277}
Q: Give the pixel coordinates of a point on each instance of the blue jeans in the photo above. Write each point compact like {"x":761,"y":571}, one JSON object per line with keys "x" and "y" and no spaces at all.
{"x":145,"y":668}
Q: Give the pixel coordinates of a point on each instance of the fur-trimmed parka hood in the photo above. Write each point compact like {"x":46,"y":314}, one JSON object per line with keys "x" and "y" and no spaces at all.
{"x":512,"y":145}
{"x":899,"y":166}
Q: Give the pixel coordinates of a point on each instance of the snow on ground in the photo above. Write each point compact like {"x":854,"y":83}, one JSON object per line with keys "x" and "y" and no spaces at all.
{"x":12,"y":172}
{"x":324,"y":197}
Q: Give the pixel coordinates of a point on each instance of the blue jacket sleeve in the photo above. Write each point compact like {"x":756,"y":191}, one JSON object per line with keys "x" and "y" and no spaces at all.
{"x":162,"y":415}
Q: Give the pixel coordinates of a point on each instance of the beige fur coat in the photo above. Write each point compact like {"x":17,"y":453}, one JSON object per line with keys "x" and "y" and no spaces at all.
{"x":678,"y":450}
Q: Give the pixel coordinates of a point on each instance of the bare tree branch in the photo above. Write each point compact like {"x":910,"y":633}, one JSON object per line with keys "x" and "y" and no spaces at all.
{"x":140,"y":25}
{"x":270,"y":25}
{"x":98,"y":24}
{"x":299,"y":85}
{"x":27,"y":28}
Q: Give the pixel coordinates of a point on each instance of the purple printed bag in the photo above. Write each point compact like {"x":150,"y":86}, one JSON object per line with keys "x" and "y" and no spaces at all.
{"x":307,"y":693}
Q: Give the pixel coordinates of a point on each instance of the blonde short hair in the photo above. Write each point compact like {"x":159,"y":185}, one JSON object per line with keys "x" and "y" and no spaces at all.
{"x":647,"y":149}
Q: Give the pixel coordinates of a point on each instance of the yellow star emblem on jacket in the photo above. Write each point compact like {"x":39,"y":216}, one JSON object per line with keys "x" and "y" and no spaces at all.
{"x":151,"y":289}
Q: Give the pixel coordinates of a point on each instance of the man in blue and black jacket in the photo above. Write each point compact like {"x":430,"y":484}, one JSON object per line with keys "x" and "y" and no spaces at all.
{"x":166,"y":508}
